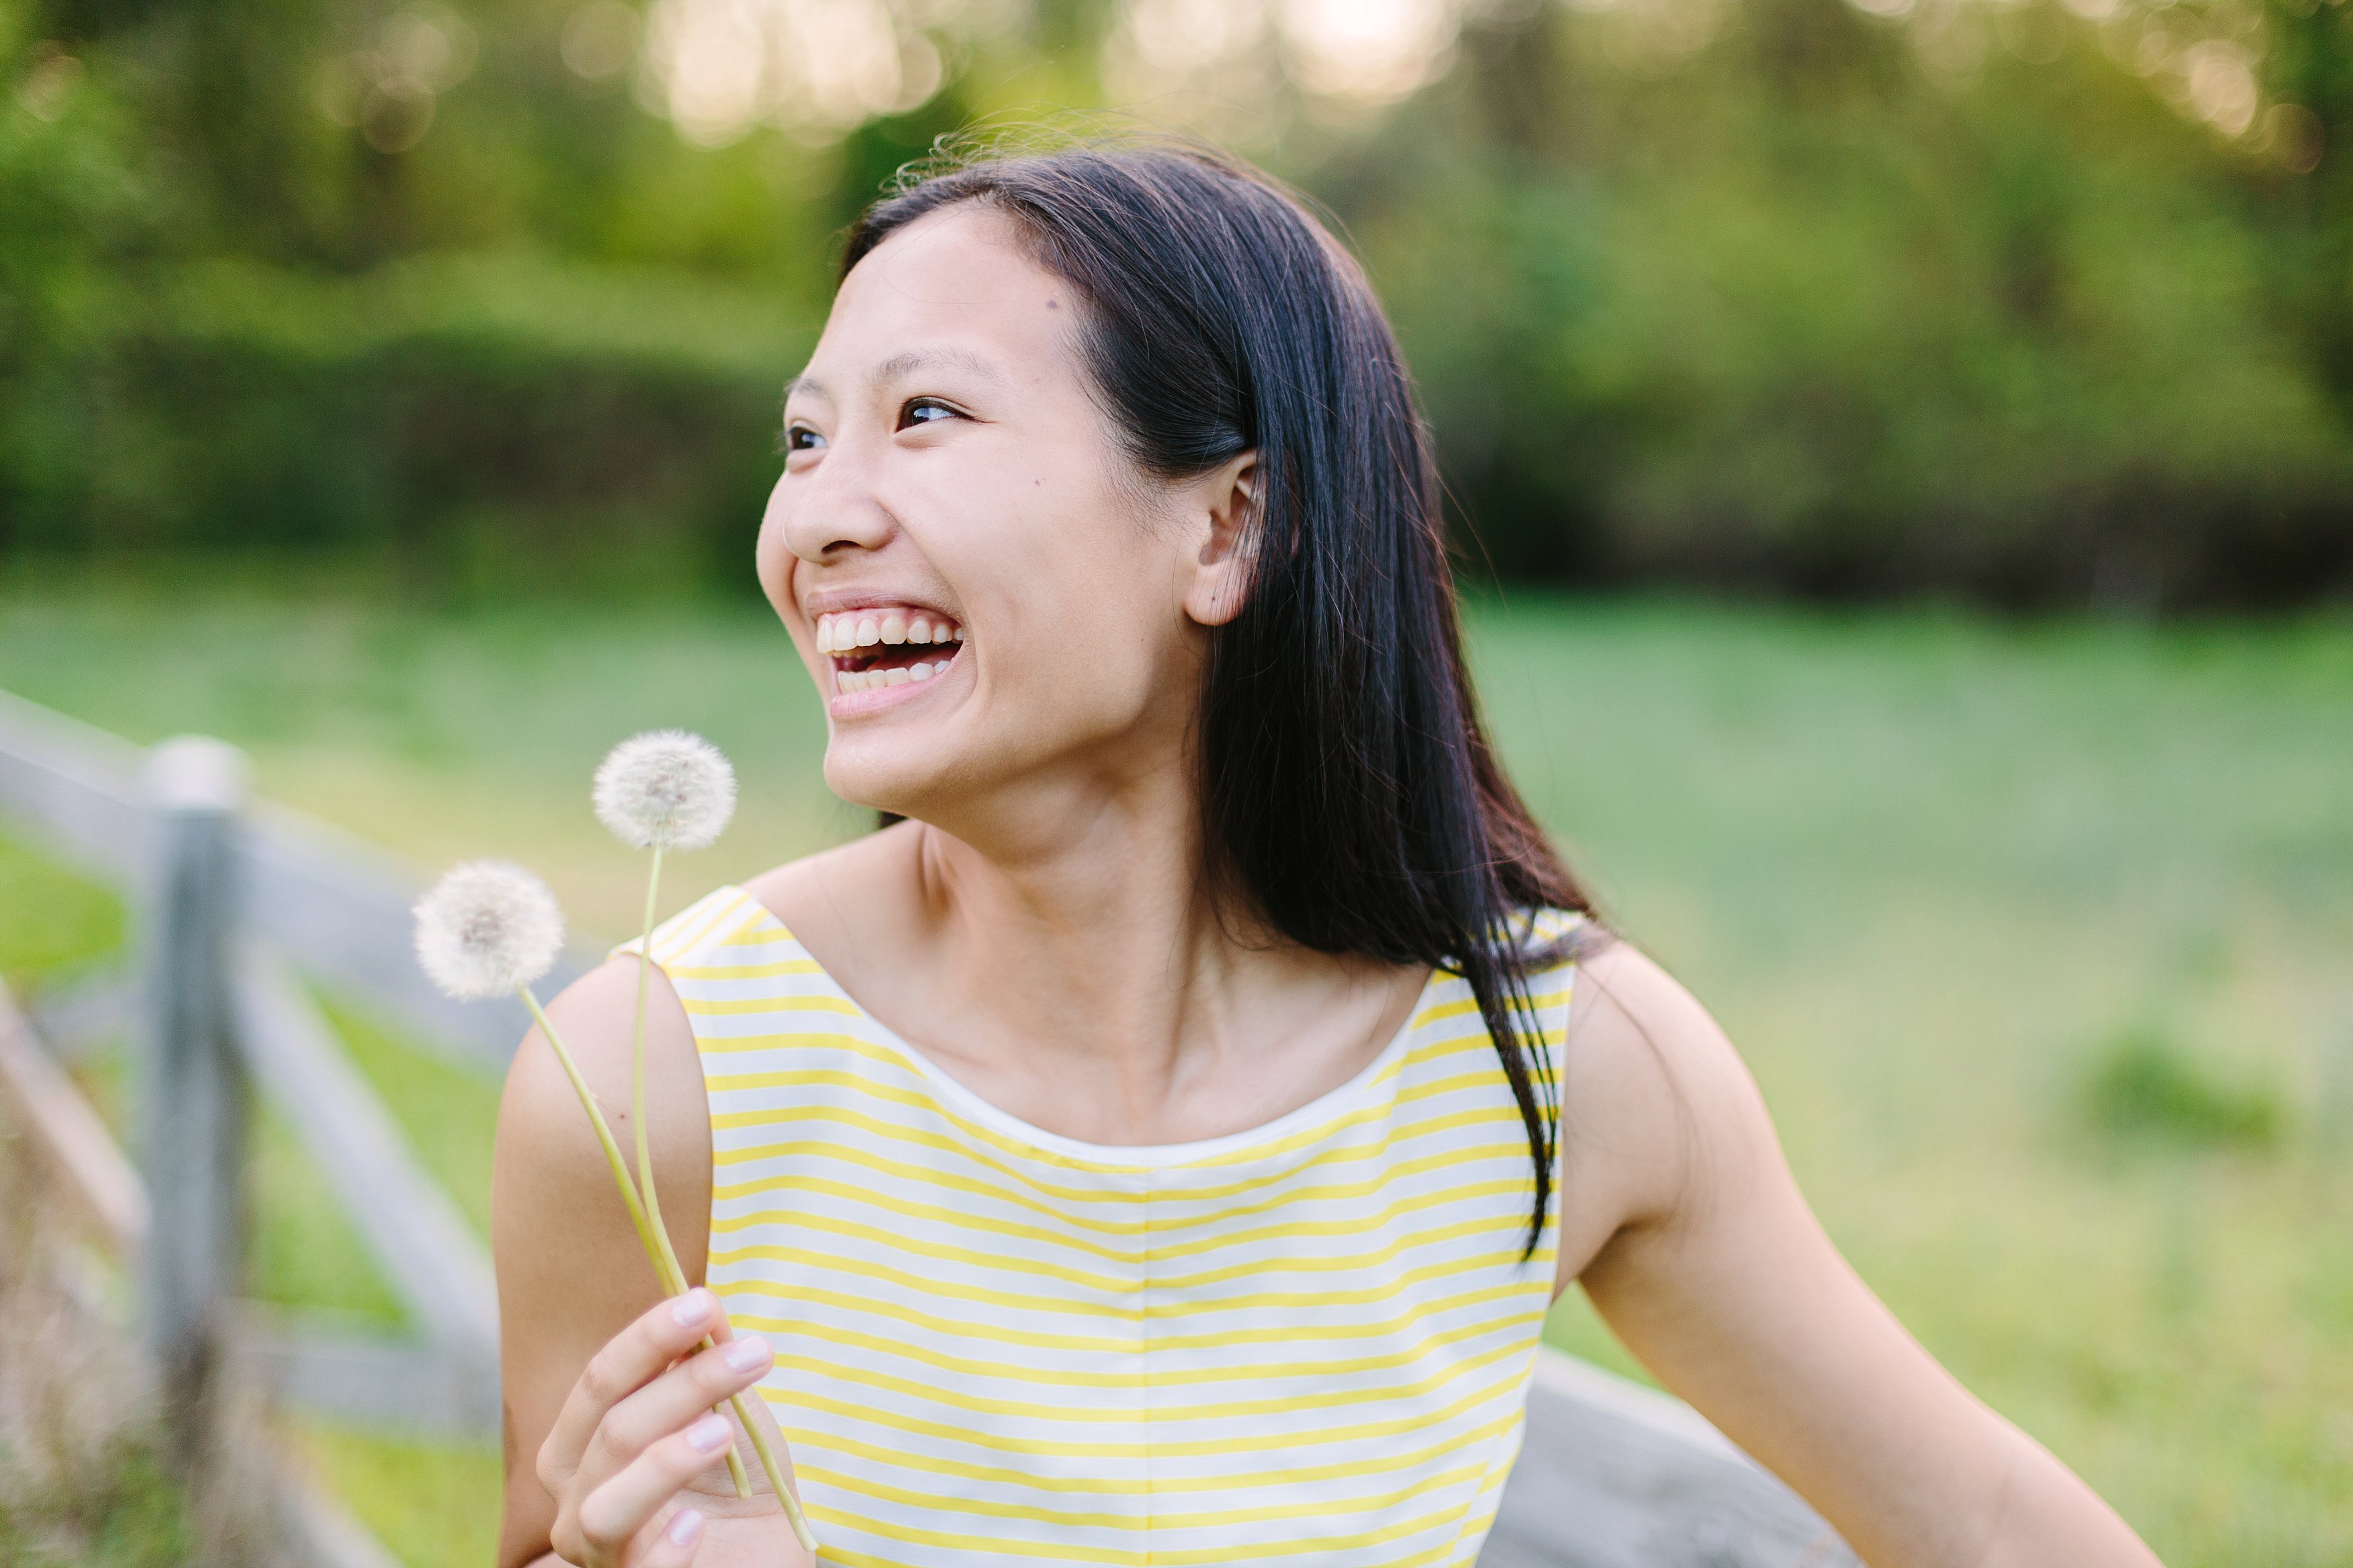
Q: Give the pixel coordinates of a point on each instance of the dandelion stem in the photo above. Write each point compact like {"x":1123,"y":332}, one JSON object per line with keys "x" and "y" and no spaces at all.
{"x":668,"y":1261}
{"x":604,"y":1134}
{"x":665,"y":1267}
{"x":638,"y":1075}
{"x":770,"y":1468}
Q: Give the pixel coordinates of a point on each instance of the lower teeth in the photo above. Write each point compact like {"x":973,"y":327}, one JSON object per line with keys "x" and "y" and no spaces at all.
{"x":897,"y":675}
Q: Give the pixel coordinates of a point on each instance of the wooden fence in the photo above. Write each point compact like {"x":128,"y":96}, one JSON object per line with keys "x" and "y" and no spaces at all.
{"x":240,"y":906}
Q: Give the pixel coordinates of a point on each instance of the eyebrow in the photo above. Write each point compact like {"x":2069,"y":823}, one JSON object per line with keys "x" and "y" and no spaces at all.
{"x":906,"y":363}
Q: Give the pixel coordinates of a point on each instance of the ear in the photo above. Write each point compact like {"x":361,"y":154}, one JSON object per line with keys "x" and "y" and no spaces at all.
{"x":1223,"y":504}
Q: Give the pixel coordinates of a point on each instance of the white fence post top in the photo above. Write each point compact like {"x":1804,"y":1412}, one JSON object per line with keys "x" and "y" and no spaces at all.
{"x":196,"y":772}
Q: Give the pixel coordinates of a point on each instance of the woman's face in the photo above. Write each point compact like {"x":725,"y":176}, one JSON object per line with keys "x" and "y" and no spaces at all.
{"x":985,"y":588}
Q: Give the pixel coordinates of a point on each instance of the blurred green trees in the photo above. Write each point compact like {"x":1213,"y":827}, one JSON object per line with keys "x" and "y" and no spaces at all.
{"x":2033,"y":302}
{"x":1802,"y":313}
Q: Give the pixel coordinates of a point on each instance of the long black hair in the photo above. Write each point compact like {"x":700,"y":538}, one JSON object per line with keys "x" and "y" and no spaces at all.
{"x":1348,"y":791}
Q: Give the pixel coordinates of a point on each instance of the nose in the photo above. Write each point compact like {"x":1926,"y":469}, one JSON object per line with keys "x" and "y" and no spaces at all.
{"x":830,"y":508}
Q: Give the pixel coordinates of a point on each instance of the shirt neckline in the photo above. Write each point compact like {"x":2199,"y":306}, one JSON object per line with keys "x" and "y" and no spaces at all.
{"x":1323,"y":1107}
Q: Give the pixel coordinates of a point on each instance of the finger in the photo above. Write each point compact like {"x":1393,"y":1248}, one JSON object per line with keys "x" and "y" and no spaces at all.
{"x":616,"y":1510}
{"x":675,"y":1398}
{"x":630,"y":1359}
{"x":673,"y":1543}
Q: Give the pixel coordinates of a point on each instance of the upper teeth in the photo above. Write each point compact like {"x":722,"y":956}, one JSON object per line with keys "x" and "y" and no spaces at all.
{"x":864,"y":628}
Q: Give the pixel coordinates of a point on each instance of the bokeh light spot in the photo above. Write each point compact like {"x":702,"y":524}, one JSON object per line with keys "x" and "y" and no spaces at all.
{"x":599,"y":40}
{"x":46,"y":88}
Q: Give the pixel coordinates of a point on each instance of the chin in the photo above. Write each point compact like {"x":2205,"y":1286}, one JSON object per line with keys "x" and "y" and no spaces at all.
{"x":866,"y":776}
{"x":908,"y":774}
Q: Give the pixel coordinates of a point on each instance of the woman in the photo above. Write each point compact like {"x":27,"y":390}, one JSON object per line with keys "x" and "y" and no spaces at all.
{"x":1163,"y":1143}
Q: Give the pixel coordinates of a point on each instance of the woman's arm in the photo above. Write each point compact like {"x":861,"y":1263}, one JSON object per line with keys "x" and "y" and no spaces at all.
{"x":585,"y":1349}
{"x":1707,"y":1263}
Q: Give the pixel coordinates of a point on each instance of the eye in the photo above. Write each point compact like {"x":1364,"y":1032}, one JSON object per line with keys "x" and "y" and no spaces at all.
{"x":799,"y":438}
{"x":926,"y":411}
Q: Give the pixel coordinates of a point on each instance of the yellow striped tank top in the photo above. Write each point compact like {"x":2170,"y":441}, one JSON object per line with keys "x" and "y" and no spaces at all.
{"x":1306,"y":1342}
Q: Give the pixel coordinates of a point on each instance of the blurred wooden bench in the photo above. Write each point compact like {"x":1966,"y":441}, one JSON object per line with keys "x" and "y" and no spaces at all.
{"x":1615,"y":1475}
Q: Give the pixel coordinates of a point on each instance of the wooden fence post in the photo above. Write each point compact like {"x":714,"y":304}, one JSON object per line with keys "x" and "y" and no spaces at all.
{"x":191,"y":1091}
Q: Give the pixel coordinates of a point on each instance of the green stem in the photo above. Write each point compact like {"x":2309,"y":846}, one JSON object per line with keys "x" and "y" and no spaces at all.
{"x":637,"y":1076}
{"x":603,"y":1135}
{"x":769,"y":1467}
{"x":666,"y":1271}
{"x":668,"y":1261}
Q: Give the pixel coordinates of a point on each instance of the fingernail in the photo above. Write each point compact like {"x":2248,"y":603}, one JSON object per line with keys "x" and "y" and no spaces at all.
{"x":685,"y":1528}
{"x":710,"y":1434}
{"x":690,"y":1309}
{"x":747,"y":1355}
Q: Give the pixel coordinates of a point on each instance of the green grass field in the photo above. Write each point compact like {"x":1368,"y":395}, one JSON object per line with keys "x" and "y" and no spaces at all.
{"x":2040,"y":939}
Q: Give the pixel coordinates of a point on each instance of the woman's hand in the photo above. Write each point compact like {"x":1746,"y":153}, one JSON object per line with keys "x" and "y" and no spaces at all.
{"x":637,"y":1459}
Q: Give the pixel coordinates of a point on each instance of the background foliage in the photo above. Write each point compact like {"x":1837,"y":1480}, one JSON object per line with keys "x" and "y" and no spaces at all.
{"x":2029,"y":300}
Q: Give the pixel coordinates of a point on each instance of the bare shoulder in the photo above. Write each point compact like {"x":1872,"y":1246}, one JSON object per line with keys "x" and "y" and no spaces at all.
{"x":595,"y":1019}
{"x":1657,"y":1107}
{"x":834,"y":902}
{"x":553,"y":1200}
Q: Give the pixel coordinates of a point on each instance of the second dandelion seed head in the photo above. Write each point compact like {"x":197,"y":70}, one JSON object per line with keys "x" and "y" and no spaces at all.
{"x":665,"y":789}
{"x":487,"y":927}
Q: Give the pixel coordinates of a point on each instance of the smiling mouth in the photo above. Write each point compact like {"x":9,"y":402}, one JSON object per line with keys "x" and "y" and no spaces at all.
{"x":887,"y":645}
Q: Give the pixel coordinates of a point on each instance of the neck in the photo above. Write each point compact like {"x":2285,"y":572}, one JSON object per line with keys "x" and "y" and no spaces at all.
{"x":1085,"y":926}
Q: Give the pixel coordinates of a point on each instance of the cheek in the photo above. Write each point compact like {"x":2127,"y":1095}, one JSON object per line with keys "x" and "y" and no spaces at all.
{"x":1077,"y":610}
{"x":1055,"y":555}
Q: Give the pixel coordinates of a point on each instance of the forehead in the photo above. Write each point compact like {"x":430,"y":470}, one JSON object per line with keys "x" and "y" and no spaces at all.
{"x":959,"y":278}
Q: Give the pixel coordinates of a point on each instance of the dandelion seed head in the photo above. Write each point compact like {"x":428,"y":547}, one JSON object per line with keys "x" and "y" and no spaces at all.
{"x":665,"y":787}
{"x":487,"y":927}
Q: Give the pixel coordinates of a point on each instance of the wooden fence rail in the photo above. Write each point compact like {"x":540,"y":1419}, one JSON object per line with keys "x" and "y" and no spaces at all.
{"x":334,"y":904}
{"x":105,"y":1201}
{"x":240,"y":903}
